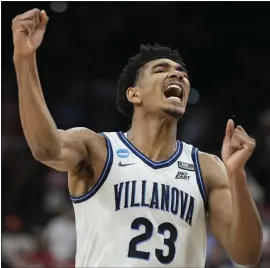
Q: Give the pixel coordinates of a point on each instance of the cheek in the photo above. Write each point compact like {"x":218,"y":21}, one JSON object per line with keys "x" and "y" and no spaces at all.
{"x":153,"y":87}
{"x":187,"y":93}
{"x":186,"y":82}
{"x":153,"y":82}
{"x":187,"y":89}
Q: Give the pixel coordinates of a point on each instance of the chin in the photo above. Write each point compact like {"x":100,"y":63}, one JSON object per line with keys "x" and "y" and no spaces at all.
{"x":176,"y":113}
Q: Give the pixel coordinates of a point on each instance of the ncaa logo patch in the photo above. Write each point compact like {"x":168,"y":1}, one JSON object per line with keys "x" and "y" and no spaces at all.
{"x":122,"y":153}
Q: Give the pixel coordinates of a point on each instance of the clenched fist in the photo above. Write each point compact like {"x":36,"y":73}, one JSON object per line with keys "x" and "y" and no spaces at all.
{"x":237,"y":148}
{"x":28,"y":31}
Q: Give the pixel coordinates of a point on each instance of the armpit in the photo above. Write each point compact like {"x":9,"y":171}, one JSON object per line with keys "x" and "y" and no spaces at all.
{"x":84,"y":170}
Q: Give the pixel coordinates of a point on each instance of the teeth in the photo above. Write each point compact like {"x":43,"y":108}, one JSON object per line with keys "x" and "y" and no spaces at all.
{"x":175,"y":99}
{"x":178,"y":95}
{"x":174,"y":85}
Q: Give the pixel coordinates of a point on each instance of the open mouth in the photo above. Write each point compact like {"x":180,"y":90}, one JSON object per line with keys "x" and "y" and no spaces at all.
{"x":174,"y":92}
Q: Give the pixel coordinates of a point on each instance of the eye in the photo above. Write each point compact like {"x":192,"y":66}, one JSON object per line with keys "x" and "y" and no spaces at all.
{"x":159,"y":71}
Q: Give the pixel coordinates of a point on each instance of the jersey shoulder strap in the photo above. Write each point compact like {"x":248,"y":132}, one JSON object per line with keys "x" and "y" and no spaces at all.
{"x":189,"y":160}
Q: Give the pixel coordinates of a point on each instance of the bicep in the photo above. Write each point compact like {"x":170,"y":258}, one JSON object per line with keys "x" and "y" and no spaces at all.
{"x":72,"y":151}
{"x":219,"y":200}
{"x":220,"y":213}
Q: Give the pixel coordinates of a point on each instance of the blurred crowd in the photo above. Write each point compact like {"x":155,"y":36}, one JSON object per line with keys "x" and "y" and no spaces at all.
{"x":85,"y":48}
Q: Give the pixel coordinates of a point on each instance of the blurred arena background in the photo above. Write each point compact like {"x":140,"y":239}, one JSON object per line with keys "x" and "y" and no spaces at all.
{"x":226,"y":48}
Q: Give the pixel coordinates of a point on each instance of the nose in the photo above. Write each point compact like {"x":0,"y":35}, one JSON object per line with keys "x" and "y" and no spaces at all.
{"x":176,"y":74}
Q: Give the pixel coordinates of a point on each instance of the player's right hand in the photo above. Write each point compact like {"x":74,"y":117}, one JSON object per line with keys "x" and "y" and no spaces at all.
{"x":28,"y":31}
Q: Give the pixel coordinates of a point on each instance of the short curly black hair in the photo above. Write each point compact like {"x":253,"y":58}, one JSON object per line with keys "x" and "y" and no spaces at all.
{"x":129,"y":76}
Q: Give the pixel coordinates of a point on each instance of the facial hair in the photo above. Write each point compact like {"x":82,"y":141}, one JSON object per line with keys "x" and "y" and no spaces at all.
{"x":175,"y":113}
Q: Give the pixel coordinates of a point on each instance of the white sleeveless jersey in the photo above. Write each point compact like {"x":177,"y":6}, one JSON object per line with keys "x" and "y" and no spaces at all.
{"x":142,"y":213}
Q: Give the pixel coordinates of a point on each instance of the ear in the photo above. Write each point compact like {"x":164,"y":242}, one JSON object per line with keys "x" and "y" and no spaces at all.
{"x":134,"y":95}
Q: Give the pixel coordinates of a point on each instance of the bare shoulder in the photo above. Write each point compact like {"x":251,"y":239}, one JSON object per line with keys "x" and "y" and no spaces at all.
{"x":96,"y":147}
{"x":210,"y":161}
{"x":86,"y":173}
{"x":213,"y":171}
{"x":82,"y":133}
{"x":89,"y":138}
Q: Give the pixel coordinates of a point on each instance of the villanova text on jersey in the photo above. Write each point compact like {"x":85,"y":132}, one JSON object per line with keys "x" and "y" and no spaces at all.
{"x":142,"y":213}
{"x":153,"y":195}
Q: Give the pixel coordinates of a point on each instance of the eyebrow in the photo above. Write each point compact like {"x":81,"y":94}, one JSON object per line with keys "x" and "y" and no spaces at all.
{"x":165,"y":64}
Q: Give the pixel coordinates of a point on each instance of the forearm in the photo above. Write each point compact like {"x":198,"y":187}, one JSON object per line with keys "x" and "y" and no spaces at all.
{"x":245,"y":238}
{"x":38,"y":125}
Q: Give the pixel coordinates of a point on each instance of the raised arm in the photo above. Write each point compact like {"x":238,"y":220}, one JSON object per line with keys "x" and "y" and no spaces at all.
{"x":62,"y":150}
{"x":233,"y":217}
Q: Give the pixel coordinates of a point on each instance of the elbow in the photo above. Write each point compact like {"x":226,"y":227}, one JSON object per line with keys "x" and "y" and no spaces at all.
{"x":255,"y":258}
{"x":248,"y":261}
{"x":247,"y":250}
{"x":248,"y":258}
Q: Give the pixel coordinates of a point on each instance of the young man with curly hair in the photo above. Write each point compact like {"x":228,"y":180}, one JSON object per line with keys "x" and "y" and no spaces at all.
{"x":141,"y":198}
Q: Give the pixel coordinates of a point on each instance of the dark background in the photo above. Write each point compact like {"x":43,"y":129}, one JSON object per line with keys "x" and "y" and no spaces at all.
{"x":226,"y":46}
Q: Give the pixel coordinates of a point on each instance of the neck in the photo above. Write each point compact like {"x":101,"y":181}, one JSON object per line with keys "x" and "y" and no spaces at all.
{"x":154,"y":137}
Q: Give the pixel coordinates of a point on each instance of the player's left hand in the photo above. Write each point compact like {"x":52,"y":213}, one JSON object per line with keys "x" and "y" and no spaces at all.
{"x":237,"y":148}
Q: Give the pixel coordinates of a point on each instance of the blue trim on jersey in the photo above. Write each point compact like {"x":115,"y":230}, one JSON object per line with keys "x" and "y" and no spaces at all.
{"x":146,"y":160}
{"x":199,"y":177}
{"x":103,"y":176}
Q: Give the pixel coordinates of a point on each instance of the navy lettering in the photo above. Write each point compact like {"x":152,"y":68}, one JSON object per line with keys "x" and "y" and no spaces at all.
{"x":143,"y":204}
{"x":165,"y":197}
{"x":161,"y":196}
{"x":184,"y":199}
{"x":154,"y":201}
{"x":174,"y":200}
{"x":133,"y":195}
{"x":127,"y":194}
{"x":190,"y":211}
{"x":118,"y":194}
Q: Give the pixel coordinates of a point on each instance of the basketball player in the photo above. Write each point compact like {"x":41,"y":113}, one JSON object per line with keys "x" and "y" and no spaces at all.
{"x":141,"y":198}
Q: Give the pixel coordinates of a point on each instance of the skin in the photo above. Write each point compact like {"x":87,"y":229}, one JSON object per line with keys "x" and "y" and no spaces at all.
{"x":232,"y":215}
